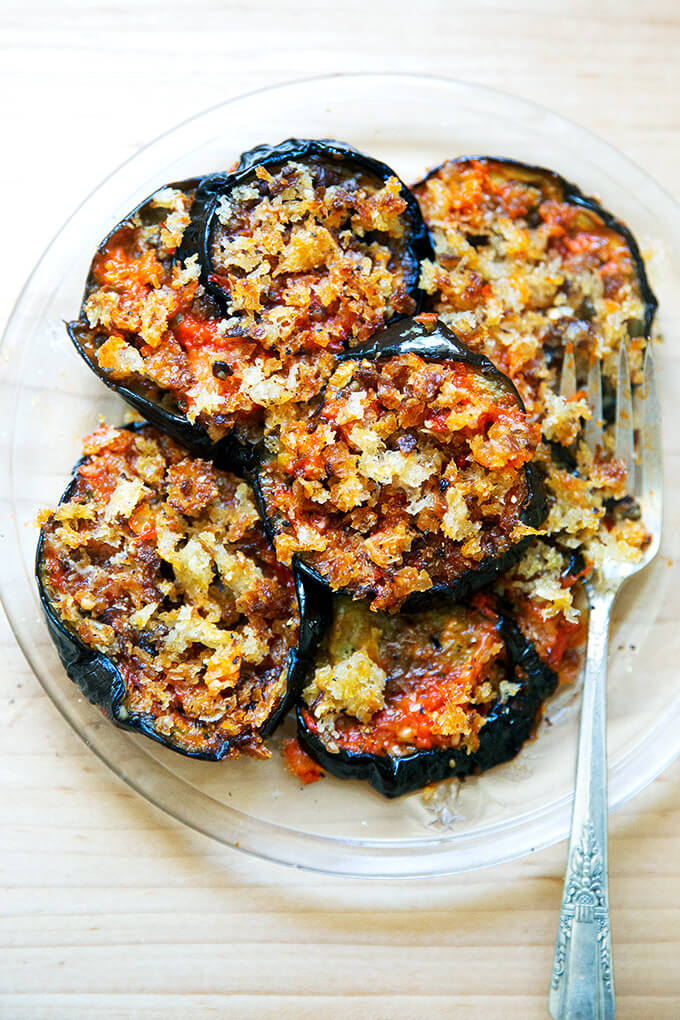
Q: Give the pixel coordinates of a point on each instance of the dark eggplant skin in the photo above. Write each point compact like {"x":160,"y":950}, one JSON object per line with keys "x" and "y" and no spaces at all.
{"x":434,"y":341}
{"x":101,"y":682}
{"x":572,"y":194}
{"x":198,"y":235}
{"x":507,"y":728}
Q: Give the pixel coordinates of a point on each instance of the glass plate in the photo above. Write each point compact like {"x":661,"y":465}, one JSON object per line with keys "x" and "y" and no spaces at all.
{"x":50,"y":400}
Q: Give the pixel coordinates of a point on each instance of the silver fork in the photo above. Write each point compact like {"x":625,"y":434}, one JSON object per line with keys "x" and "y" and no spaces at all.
{"x":582,"y":984}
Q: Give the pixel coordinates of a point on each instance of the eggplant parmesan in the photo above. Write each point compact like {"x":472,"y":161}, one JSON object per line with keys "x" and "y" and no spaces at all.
{"x":224,"y":298}
{"x":406,"y":700}
{"x":165,"y":600}
{"x":422,"y":504}
{"x":410,"y":477}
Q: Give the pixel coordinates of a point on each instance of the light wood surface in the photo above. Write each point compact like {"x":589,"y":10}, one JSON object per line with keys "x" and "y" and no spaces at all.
{"x":108,"y":909}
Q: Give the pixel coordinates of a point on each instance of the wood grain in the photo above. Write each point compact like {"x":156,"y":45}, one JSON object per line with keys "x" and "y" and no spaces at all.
{"x":108,"y":908}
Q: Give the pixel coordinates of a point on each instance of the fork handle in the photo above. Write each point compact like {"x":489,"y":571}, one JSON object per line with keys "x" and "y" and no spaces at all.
{"x":582,"y":985}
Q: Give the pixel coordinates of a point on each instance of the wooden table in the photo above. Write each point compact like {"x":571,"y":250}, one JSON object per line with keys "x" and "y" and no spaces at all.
{"x":108,"y":908}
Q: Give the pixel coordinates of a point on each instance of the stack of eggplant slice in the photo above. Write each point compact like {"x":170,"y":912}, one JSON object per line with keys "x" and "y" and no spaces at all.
{"x":343,"y":473}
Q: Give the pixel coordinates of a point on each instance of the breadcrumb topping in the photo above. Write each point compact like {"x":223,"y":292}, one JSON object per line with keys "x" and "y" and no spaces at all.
{"x":158,"y":560}
{"x":408,"y":473}
{"x":395,"y":684}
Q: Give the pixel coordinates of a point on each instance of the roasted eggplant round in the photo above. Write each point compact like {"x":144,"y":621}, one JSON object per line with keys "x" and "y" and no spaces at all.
{"x":411,"y":475}
{"x":406,"y":700}
{"x":314,"y":210}
{"x":527,"y":267}
{"x":138,"y":308}
{"x":165,"y":600}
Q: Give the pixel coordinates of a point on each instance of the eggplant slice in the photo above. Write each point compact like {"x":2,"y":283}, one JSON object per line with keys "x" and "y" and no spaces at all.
{"x":529,"y":267}
{"x":134,"y":293}
{"x":402,"y":701}
{"x":352,"y":194}
{"x":410,"y":477}
{"x":165,"y":601}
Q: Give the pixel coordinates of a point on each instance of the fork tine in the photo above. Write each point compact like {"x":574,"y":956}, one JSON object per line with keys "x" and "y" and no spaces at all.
{"x":623,"y":435}
{"x":593,"y":429}
{"x":568,"y":380}
{"x":650,"y":487}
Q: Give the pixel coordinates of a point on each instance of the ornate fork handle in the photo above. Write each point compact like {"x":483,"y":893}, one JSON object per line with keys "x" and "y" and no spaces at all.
{"x":582,"y":985}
